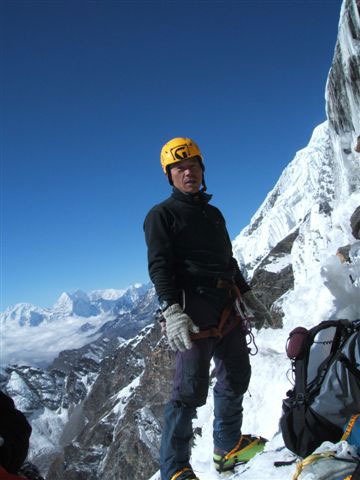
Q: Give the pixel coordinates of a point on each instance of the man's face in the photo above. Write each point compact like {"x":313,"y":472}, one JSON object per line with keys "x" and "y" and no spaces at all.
{"x":187,"y":175}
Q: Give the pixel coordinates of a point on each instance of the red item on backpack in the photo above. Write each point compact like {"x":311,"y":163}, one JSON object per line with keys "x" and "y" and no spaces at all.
{"x":4,"y":475}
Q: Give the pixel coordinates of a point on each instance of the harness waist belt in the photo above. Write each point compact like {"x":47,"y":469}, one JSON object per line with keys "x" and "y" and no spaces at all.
{"x":209,"y":282}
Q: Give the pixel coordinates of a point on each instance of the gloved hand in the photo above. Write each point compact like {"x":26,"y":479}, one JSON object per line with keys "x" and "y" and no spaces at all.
{"x":178,"y":325}
{"x":261,"y":314}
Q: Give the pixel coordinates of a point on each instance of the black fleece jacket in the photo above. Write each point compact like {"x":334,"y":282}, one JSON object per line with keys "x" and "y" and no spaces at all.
{"x":188,"y":246}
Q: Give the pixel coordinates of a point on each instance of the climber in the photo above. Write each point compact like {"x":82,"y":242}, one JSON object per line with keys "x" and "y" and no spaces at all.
{"x":343,"y":253}
{"x":195,"y":275}
{"x":355,"y":223}
{"x":357,"y":146}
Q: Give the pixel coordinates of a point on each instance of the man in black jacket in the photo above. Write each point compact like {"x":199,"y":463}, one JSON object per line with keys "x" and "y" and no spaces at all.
{"x":195,"y":275}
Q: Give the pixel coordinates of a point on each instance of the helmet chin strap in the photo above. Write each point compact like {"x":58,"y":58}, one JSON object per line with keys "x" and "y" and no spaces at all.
{"x":204,"y":188}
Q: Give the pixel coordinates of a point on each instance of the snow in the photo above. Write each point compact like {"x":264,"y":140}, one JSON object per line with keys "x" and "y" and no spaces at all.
{"x":71,"y":323}
{"x":262,"y":410}
{"x":279,"y":264}
{"x":317,"y":193}
{"x":41,"y":345}
{"x":108,"y":294}
{"x":306,"y":305}
{"x":122,"y":398}
{"x":47,"y":430}
{"x":287,"y":205}
{"x":18,"y":389}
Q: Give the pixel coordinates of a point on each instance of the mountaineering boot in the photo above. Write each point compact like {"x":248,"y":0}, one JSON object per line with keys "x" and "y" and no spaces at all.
{"x":246,"y":448}
{"x":185,"y":474}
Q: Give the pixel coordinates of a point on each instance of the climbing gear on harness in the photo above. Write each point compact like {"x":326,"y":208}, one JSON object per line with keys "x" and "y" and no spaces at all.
{"x":236,"y":310}
{"x":261,"y":314}
{"x":246,"y":448}
{"x":222,"y":329}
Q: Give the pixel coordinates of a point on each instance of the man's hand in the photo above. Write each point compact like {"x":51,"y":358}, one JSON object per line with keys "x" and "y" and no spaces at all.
{"x":261,"y":314}
{"x":178,"y":325}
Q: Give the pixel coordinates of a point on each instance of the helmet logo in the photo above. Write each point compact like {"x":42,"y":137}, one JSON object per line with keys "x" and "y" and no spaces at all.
{"x":180,"y":153}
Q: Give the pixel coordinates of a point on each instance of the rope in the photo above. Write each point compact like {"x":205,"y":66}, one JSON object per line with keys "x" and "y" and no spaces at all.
{"x":178,"y":474}
{"x":350,"y":426}
{"x":309,"y":460}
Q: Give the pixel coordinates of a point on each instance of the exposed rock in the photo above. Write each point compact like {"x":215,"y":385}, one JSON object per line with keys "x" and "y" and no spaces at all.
{"x":122,"y":414}
{"x":274,"y":276}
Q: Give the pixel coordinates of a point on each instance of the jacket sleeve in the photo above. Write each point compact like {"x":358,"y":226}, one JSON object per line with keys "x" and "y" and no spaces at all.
{"x":158,"y":236}
{"x":239,"y":278}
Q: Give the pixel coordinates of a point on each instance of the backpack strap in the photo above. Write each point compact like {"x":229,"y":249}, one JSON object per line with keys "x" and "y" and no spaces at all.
{"x":356,"y":473}
{"x":350,"y":366}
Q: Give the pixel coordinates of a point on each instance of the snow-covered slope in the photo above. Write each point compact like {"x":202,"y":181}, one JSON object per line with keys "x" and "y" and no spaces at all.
{"x":324,"y":177}
{"x":305,"y":183}
{"x":317,"y":193}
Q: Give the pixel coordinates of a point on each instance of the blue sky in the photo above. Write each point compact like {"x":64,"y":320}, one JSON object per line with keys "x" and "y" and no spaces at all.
{"x":90,"y":92}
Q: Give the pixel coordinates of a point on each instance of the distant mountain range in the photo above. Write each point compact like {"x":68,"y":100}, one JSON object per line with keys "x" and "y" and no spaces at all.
{"x":93,"y":372}
{"x":74,"y":320}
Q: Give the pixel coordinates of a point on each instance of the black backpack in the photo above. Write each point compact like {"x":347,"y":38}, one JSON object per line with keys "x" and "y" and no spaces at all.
{"x":326,"y":390}
{"x":15,"y":433}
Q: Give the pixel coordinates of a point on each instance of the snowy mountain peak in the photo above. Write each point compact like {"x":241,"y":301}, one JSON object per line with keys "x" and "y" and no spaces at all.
{"x":323,"y":177}
{"x":305,"y":184}
{"x":76,"y":303}
{"x":107,"y":294}
{"x":24,"y":314}
{"x":76,"y":319}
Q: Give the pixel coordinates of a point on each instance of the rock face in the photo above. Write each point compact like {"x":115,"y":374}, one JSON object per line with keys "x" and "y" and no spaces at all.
{"x":274,"y":276}
{"x":121,"y":417}
{"x":343,"y":87}
{"x":48,"y":397}
{"x":52,"y":397}
{"x":311,"y":190}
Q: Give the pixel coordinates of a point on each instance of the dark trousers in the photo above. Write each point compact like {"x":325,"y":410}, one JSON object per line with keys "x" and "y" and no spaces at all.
{"x":232,"y":369}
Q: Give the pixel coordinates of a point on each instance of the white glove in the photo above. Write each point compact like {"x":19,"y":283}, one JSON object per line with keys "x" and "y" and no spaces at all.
{"x":178,"y":325}
{"x":261,"y":313}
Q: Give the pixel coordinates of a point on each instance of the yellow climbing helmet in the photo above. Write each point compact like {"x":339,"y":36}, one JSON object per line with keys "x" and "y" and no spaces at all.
{"x":178,"y":149}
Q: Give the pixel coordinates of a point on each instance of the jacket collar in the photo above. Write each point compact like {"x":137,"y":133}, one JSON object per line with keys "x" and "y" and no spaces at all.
{"x":199,"y":198}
